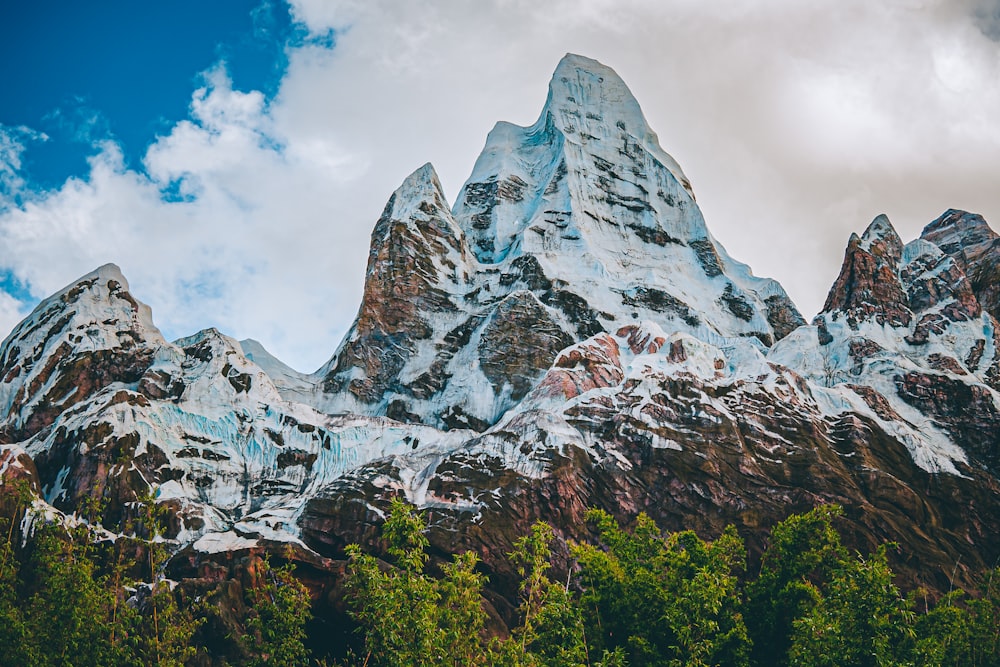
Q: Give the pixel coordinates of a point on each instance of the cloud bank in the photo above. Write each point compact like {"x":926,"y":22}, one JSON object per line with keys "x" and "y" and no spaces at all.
{"x":797,"y":123}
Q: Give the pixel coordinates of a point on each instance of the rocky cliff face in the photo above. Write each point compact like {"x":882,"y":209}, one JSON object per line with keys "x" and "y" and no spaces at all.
{"x":567,"y":335}
{"x":642,"y":420}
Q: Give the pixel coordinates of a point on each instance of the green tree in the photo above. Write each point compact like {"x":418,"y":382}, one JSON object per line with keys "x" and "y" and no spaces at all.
{"x":663,"y":600}
{"x":159,"y":629}
{"x":68,"y":614}
{"x":14,"y":635}
{"x":960,"y":630}
{"x":942,"y":634}
{"x":278,"y":612}
{"x":804,"y":550}
{"x":984,"y":623}
{"x":859,"y":619}
{"x":551,"y":633}
{"x":409,"y":617}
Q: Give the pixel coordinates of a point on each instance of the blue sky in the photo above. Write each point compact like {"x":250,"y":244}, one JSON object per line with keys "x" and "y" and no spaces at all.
{"x":79,"y":72}
{"x":232,"y":156}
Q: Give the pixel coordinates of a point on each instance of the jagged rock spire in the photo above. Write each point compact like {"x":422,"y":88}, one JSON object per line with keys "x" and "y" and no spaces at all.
{"x":868,"y":285}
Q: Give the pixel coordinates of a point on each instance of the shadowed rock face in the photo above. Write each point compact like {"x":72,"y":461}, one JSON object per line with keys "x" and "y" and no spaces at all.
{"x":519,"y":339}
{"x":782,"y":315}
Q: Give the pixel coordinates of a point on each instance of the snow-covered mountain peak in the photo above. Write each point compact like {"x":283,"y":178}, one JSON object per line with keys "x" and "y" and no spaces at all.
{"x":422,"y":191}
{"x":589,"y":166}
{"x":89,"y":334}
{"x":968,"y":239}
{"x":588,"y":100}
{"x":102,"y":298}
{"x":869,"y":286}
{"x":955,"y":224}
{"x":575,"y":225}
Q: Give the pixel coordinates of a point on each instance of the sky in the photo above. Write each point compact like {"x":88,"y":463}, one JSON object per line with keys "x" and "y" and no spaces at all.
{"x":232,"y":157}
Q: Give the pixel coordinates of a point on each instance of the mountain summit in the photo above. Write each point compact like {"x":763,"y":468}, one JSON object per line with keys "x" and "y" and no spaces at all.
{"x":578,"y":224}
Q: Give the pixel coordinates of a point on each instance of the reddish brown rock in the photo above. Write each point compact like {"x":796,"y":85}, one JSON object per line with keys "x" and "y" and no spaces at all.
{"x":518,"y":341}
{"x":768,"y":454}
{"x":868,"y":286}
{"x":412,"y":277}
{"x":967,"y":411}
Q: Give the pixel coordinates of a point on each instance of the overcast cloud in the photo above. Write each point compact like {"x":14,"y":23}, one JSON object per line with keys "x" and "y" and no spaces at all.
{"x":797,"y":122}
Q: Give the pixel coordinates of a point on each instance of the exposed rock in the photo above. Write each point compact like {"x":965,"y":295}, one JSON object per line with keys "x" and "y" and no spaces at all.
{"x":518,"y":343}
{"x":868,"y":285}
{"x":976,"y":249}
{"x":969,"y":412}
{"x":932,"y":279}
{"x":416,"y":268}
{"x":782,"y":315}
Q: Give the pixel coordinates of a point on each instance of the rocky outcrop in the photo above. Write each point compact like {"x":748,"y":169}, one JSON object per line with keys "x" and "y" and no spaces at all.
{"x":905,"y":323}
{"x":968,"y":239}
{"x":417,"y":273}
{"x":869,"y":285}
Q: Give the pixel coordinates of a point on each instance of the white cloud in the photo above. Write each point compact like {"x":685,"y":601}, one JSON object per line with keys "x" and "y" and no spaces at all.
{"x":797,"y":122}
{"x":13,"y":142}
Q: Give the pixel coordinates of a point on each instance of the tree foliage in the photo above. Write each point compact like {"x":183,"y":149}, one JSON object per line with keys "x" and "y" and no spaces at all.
{"x":276,"y":624}
{"x":71,"y":595}
{"x":663,"y":599}
{"x":635,"y":596}
{"x":408,"y":616}
{"x":804,"y":551}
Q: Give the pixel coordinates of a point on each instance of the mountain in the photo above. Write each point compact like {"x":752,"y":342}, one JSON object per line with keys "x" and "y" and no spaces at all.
{"x":575,"y":225}
{"x":567,"y":335}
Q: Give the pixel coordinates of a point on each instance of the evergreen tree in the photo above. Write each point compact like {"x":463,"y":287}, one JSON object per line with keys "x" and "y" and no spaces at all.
{"x":858,"y":620}
{"x":410,"y":618}
{"x":68,"y":613}
{"x":551,"y":633}
{"x":15,"y":647}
